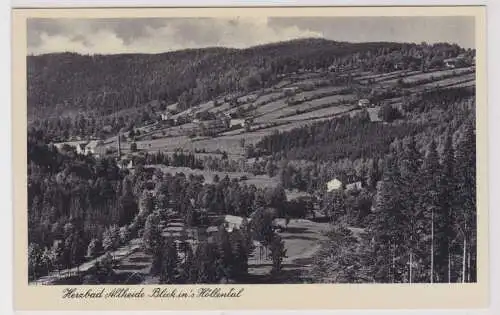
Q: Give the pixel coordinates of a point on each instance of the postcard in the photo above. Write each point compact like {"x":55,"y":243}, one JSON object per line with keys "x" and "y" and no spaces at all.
{"x":250,"y":158}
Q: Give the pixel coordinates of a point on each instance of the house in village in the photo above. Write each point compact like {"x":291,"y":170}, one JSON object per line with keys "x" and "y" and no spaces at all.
{"x":334,"y":185}
{"x":232,"y":222}
{"x":400,"y":65}
{"x":363,"y":103}
{"x":289,"y":91}
{"x":126,"y":164}
{"x":459,"y":61}
{"x":79,"y":146}
{"x":354,"y":186}
{"x":450,"y":63}
{"x":237,"y":122}
{"x":95,"y":147}
{"x":166,"y":115}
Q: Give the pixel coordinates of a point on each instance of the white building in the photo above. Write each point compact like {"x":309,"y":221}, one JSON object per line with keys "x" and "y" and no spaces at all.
{"x":290,"y":90}
{"x":334,"y":184}
{"x":232,"y":222}
{"x":237,"y":122}
{"x":353,"y":186}
{"x":95,"y":147}
{"x":364,"y":102}
{"x":166,"y":116}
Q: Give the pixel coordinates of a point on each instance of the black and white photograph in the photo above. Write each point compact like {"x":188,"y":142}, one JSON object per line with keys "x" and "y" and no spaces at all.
{"x":251,"y":150}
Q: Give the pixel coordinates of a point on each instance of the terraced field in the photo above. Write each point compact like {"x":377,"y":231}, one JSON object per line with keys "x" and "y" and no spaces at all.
{"x":308,"y":106}
{"x":423,"y":76}
{"x":320,"y":113}
{"x":375,"y":78}
{"x":273,"y":113}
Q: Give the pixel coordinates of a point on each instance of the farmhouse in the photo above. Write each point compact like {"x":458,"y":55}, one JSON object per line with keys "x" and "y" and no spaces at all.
{"x":78,"y":145}
{"x":95,"y":147}
{"x":166,"y":115}
{"x":232,"y":222}
{"x":334,"y":184}
{"x":211,"y":124}
{"x":289,"y":91}
{"x":237,"y":122}
{"x":354,"y":186}
{"x":457,"y":62}
{"x":450,"y":63}
{"x":364,"y":103}
{"x":128,"y":164}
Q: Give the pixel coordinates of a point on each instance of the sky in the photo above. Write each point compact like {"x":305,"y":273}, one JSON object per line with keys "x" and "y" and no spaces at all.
{"x":155,"y":35}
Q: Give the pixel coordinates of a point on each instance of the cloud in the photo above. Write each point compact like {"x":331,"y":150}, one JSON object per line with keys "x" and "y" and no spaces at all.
{"x":155,"y":35}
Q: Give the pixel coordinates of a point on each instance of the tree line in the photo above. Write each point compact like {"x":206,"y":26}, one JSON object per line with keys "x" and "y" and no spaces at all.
{"x":80,"y":207}
{"x":423,"y":226}
{"x":113,"y":91}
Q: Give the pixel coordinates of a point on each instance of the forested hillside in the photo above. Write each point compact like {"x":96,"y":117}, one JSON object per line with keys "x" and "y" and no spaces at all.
{"x":392,"y":123}
{"x":75,"y":84}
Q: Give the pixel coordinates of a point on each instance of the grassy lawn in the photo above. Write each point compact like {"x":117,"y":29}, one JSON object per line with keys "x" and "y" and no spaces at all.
{"x":302,"y":240}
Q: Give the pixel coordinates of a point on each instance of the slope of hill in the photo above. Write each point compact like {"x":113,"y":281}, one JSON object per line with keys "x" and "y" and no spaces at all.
{"x":68,"y":83}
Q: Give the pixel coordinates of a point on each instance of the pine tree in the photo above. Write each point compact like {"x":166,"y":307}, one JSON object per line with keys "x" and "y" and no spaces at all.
{"x":74,"y":245}
{"x":111,"y":238}
{"x":410,"y":166}
{"x":169,"y":267}
{"x":34,"y":260}
{"x":124,"y":235}
{"x":225,"y":257}
{"x":205,"y":258}
{"x":388,"y":226}
{"x":152,"y":238}
{"x":187,"y":265}
{"x":239,"y":254}
{"x":429,"y":205}
{"x":278,"y":253}
{"x":94,"y":248}
{"x":445,"y":232}
{"x":466,"y":200}
{"x":57,"y":252}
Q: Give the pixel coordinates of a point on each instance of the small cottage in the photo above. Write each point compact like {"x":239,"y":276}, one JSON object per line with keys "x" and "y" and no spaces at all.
{"x":354,"y":186}
{"x":95,"y":147}
{"x":166,"y":115}
{"x":364,"y":103}
{"x":289,"y":91}
{"x":451,"y":63}
{"x":237,"y":122}
{"x":333,"y":185}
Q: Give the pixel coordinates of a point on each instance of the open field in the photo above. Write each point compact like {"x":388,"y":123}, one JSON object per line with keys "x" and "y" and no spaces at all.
{"x":204,"y":107}
{"x":271,"y":115}
{"x":428,"y":75}
{"x":308,"y":106}
{"x":329,"y":111}
{"x":270,"y":107}
{"x":331,"y":90}
{"x":260,"y":181}
{"x":464,"y":84}
{"x":303,"y":239}
{"x":451,"y":81}
{"x":385,"y":77}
